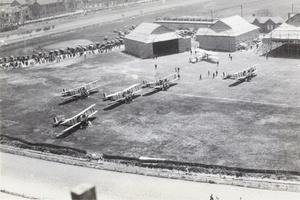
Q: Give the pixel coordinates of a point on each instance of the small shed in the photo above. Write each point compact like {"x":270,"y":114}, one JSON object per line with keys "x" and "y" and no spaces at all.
{"x":150,"y":39}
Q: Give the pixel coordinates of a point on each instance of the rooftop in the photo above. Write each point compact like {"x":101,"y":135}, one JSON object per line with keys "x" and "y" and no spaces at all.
{"x":285,"y":32}
{"x":231,"y":26}
{"x":262,"y":20}
{"x":150,"y":32}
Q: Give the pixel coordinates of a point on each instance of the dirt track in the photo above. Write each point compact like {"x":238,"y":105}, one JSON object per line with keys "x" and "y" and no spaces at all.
{"x":45,"y":179}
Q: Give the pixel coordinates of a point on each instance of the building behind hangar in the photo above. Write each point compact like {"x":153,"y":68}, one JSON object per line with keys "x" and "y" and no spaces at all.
{"x":149,"y":39}
{"x":265,"y":24}
{"x":226,"y":34}
{"x":283,"y":41}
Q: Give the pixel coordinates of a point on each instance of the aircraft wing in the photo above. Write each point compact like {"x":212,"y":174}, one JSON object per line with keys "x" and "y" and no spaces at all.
{"x":171,"y":78}
{"x":241,"y":75}
{"x":92,"y":85}
{"x":90,"y":111}
{"x":121,"y":96}
{"x":66,"y":94}
{"x":134,"y":88}
{"x":213,"y":57}
{"x":205,"y":52}
{"x":111,"y":96}
{"x":149,"y":84}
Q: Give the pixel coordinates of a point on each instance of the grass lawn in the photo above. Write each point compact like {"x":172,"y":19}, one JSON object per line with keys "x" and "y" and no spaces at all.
{"x":253,"y":124}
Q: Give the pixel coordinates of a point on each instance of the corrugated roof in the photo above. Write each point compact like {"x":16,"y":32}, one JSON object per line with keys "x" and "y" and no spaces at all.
{"x":150,"y":32}
{"x":231,"y":26}
{"x":285,"y":32}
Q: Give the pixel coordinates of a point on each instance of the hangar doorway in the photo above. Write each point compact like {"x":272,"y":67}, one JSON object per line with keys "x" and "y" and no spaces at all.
{"x":166,"y":47}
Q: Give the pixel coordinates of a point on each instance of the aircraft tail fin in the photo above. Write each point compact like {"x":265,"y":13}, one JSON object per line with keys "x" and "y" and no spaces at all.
{"x":104,"y":95}
{"x":55,"y":119}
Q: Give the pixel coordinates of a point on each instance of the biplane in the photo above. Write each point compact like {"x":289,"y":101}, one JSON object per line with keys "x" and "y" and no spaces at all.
{"x":126,"y":95}
{"x":204,"y":55}
{"x":82,"y":119}
{"x":79,"y":92}
{"x":244,"y":75}
{"x":162,"y":83}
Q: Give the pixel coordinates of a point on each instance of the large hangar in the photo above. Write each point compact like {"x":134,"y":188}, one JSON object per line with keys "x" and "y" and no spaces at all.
{"x":226,"y":34}
{"x":284,"y":41}
{"x":149,"y":39}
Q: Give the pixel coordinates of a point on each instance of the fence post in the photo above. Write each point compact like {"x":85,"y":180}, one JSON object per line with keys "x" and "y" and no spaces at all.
{"x":84,"y":191}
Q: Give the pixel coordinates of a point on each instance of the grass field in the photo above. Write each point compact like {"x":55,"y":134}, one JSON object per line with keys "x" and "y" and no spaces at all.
{"x":253,"y":124}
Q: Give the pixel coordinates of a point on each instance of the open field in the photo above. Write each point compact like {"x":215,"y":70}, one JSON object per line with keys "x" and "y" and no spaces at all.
{"x":253,"y":124}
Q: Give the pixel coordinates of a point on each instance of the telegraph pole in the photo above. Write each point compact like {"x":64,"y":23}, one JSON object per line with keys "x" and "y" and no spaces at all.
{"x":241,"y":10}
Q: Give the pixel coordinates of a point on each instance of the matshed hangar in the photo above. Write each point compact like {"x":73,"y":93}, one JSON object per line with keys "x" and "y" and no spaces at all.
{"x":149,"y":39}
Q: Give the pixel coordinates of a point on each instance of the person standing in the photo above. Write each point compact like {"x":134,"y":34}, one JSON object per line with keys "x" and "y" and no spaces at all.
{"x":155,"y":66}
{"x":200,"y":77}
{"x":208,"y":73}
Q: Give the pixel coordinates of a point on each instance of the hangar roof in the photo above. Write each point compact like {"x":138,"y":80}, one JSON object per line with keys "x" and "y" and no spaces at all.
{"x":285,"y":32}
{"x":150,"y":33}
{"x":230,"y":26}
{"x":295,"y":20}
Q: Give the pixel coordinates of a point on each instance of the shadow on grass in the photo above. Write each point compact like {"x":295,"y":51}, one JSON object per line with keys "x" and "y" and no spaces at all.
{"x":240,"y":81}
{"x":158,"y":90}
{"x":76,"y":128}
{"x":210,"y":61}
{"x":75,"y":98}
{"x":236,"y":83}
{"x":115,"y":104}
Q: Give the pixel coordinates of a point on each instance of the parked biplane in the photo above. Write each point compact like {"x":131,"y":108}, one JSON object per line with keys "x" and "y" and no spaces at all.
{"x":82,"y":119}
{"x":162,"y":83}
{"x":126,"y":95}
{"x":205,"y":56}
{"x":244,"y":75}
{"x":79,"y":92}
